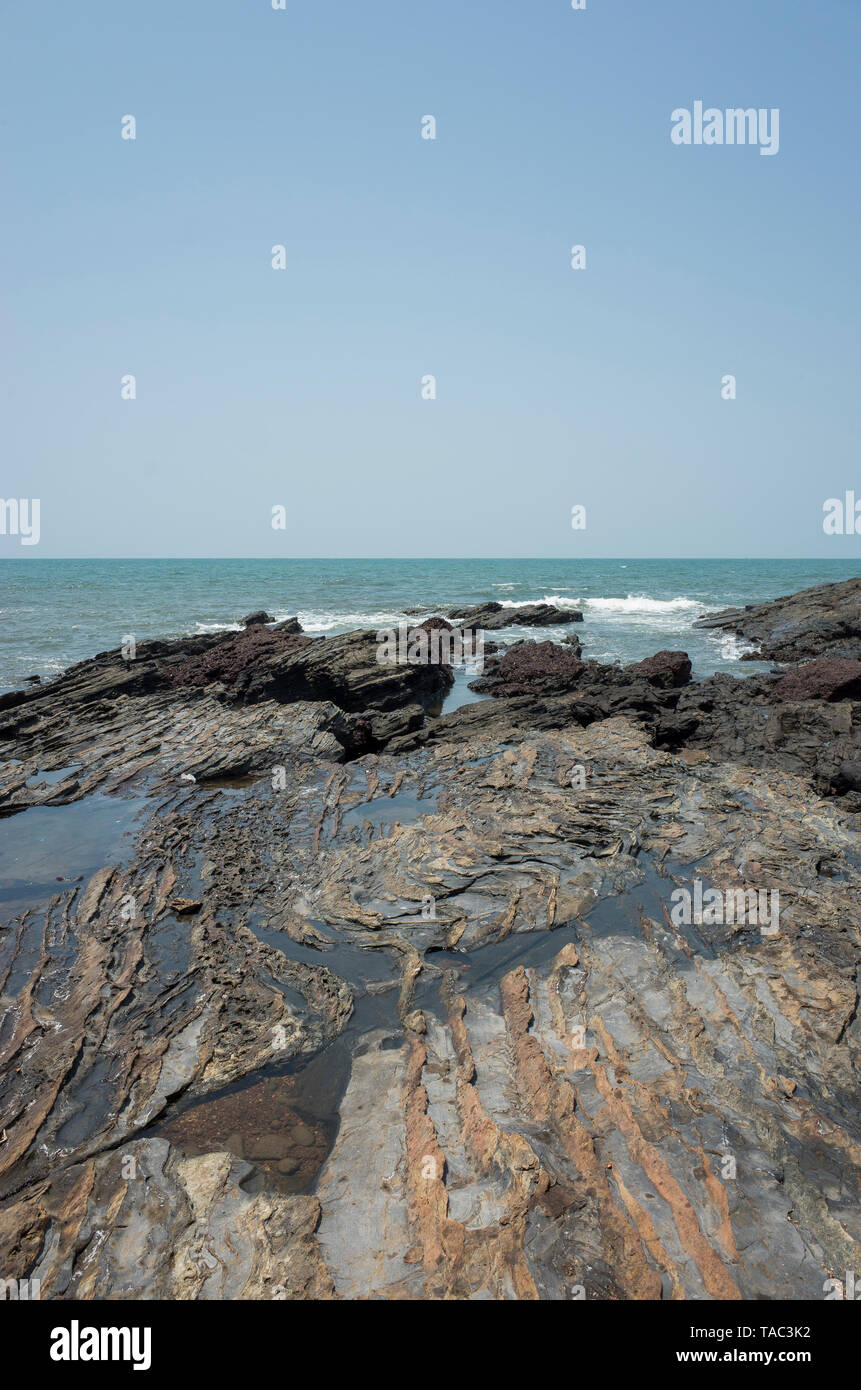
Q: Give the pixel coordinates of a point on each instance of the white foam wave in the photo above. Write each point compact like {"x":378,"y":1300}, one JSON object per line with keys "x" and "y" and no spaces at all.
{"x":641,"y":603}
{"x":558,"y":601}
{"x":733,"y":648}
{"x":327,"y":622}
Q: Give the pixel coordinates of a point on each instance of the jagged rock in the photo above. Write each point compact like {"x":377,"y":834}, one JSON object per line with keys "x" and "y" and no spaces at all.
{"x":531,"y":668}
{"x":822,"y":621}
{"x":346,"y":670}
{"x":544,"y":1071}
{"x":734,"y":720}
{"x":252,"y":619}
{"x":146,"y":1223}
{"x":257,"y":664}
{"x":848,"y":777}
{"x":492,"y":616}
{"x":430,"y":624}
{"x":240,"y":653}
{"x":837,"y":679}
{"x":665,"y":668}
{"x":105,"y":677}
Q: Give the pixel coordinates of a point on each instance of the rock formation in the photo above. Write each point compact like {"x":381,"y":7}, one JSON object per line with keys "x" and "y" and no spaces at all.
{"x":825,"y":620}
{"x":386,"y":1004}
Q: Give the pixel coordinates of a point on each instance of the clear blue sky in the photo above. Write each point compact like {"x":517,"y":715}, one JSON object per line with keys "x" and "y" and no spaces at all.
{"x":405,"y":256}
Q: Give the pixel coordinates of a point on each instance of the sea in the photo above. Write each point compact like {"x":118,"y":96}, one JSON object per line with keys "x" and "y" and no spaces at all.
{"x":54,"y":613}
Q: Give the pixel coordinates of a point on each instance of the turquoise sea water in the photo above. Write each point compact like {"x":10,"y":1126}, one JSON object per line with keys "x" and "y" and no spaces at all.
{"x":56,"y":612}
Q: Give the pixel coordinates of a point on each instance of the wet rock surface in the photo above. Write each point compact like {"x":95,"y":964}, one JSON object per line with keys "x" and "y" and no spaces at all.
{"x":721,"y":718}
{"x":388,"y":1005}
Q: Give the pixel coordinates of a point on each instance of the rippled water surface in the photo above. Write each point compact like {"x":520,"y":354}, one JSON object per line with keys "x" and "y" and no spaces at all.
{"x":56,"y":612}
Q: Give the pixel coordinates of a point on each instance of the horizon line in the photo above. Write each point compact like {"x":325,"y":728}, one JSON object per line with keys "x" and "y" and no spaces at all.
{"x":417,"y":559}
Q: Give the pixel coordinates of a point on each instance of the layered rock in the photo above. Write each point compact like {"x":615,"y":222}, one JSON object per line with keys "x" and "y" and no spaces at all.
{"x":824,"y":620}
{"x":570,"y":1095}
{"x":481,"y":1055}
{"x":491,"y":616}
{"x":260,"y":663}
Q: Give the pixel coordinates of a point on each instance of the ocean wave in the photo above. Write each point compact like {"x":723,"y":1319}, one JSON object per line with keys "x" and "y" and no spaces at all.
{"x":325,"y":622}
{"x":558,"y":601}
{"x":201,"y":628}
{"x":42,"y":663}
{"x":733,"y":648}
{"x":642,"y":604}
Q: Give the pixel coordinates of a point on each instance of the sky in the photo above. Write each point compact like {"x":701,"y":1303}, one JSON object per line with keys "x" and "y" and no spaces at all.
{"x":407,"y":257}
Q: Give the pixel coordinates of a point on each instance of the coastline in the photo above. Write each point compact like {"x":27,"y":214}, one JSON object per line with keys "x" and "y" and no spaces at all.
{"x":58,"y":612}
{"x":400,"y":1003}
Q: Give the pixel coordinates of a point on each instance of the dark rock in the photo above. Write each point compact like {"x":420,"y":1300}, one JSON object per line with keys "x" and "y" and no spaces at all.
{"x":674,"y":729}
{"x":837,"y":679}
{"x":732,"y":720}
{"x":667,"y":669}
{"x":476,"y":610}
{"x":288,"y":625}
{"x":490,"y":617}
{"x":252,"y":619}
{"x":536,"y":668}
{"x":744,"y":721}
{"x":259,"y":663}
{"x":346,"y":670}
{"x":384,"y":727}
{"x":241,"y":652}
{"x":103,"y":677}
{"x":822,"y":621}
{"x":848,"y":777}
{"x":430,"y":624}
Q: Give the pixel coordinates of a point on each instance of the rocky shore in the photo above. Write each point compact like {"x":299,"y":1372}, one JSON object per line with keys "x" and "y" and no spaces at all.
{"x":316,"y":989}
{"x":817,"y":622}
